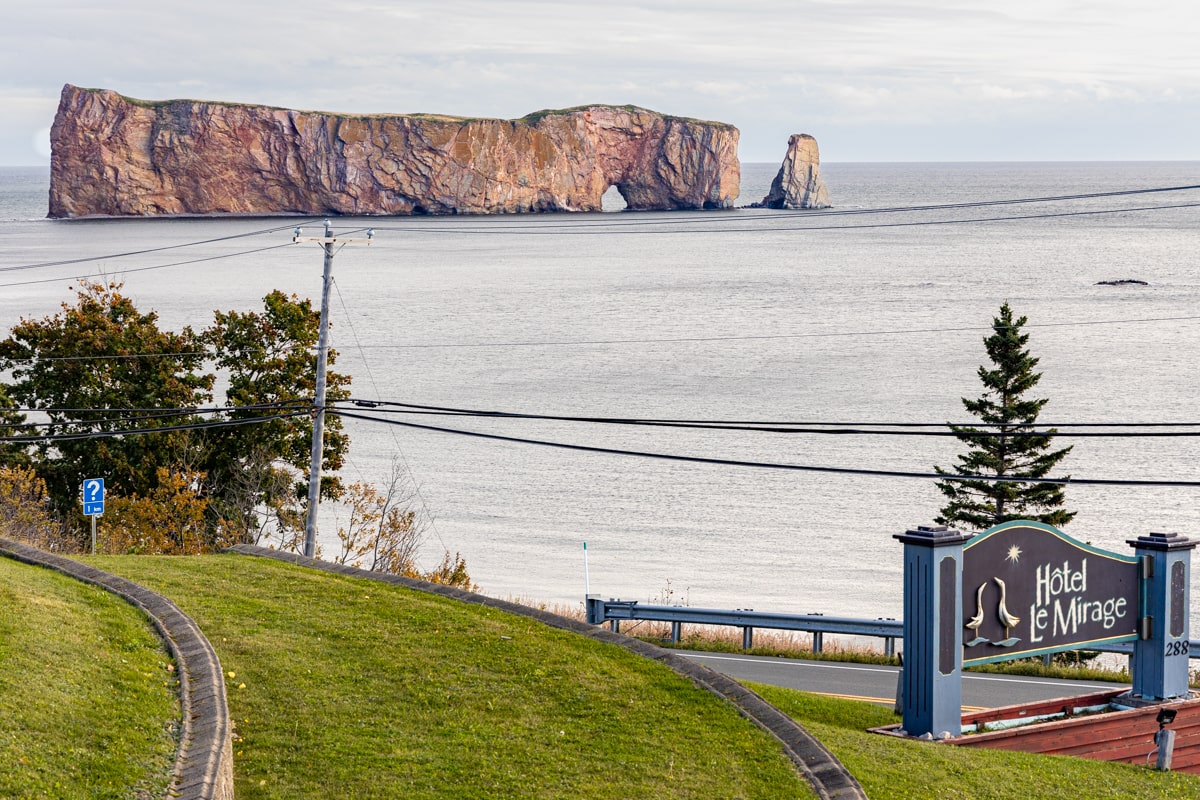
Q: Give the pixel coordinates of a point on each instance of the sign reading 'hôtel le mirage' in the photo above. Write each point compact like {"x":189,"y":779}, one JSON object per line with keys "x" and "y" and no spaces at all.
{"x":1022,"y":589}
{"x":1028,"y":588}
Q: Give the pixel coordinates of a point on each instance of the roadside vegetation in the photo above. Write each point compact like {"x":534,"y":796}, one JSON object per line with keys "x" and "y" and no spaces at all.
{"x":88,"y":695}
{"x":344,"y":687}
{"x":895,"y":769}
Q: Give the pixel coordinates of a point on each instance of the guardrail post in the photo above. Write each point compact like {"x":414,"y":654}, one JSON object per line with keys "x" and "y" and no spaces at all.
{"x":676,"y":632}
{"x":818,"y":641}
{"x":889,"y":646}
{"x":594,"y":607}
{"x":614,"y":625}
{"x":747,"y":638}
{"x":931,"y":682}
{"x":1160,"y":655}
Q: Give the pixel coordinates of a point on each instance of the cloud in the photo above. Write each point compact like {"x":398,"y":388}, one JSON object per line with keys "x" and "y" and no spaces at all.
{"x":861,"y":62}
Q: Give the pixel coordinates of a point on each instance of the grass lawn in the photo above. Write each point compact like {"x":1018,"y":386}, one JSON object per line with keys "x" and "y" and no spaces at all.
{"x":894,"y":769}
{"x":88,"y":706}
{"x":343,"y":687}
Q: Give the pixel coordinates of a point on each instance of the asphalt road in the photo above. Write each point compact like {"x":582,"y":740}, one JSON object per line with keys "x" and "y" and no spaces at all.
{"x":878,"y":684}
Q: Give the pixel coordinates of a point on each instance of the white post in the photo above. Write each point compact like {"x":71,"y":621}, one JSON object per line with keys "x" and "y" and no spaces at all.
{"x":587,"y":584}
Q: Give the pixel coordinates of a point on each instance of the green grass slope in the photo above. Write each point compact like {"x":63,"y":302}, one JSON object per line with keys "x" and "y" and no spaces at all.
{"x":894,"y":769}
{"x":88,"y":704}
{"x":343,"y":687}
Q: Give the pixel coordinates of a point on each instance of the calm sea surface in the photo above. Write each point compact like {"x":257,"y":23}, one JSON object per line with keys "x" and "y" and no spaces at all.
{"x":743,"y":314}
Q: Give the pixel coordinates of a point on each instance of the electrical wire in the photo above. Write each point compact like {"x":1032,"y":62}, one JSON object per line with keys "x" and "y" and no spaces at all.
{"x":819,"y":428}
{"x":727,"y":462}
{"x":537,"y":231}
{"x":156,"y":266}
{"x":127,"y":253}
{"x":65,"y":437}
{"x":830,"y":212}
{"x":768,"y":337}
{"x":664,"y":340}
{"x":142,"y":414}
{"x":429,"y":516}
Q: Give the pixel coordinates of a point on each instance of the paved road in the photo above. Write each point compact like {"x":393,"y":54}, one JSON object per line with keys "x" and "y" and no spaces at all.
{"x":871,"y":682}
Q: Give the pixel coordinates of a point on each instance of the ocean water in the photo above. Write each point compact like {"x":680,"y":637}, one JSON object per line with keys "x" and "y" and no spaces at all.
{"x":732,"y":315}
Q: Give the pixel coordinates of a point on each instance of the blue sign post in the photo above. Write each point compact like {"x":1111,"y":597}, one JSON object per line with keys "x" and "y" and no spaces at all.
{"x":93,"y":503}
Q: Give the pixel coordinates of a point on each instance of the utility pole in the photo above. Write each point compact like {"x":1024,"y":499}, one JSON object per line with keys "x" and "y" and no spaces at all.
{"x":327,"y":243}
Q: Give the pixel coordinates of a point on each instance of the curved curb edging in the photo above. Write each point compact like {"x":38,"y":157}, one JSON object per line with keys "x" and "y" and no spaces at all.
{"x":828,"y":778}
{"x":204,"y":763}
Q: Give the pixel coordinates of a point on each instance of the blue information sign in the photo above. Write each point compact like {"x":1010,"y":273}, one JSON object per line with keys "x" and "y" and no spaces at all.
{"x":93,"y":497}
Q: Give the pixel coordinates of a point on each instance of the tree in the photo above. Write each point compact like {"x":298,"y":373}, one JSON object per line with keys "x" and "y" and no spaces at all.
{"x":12,"y":454}
{"x":100,"y":365}
{"x":87,"y":368}
{"x":260,"y":471}
{"x":25,"y":513}
{"x":1008,"y":445}
{"x":171,"y":520}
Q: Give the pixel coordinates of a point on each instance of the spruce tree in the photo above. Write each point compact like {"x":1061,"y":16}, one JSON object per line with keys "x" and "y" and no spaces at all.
{"x":1007,"y":444}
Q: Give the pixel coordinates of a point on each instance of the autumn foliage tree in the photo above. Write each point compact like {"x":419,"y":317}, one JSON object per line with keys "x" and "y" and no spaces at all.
{"x":100,"y":368}
{"x":54,"y":369}
{"x":270,"y":361}
{"x":122,"y":401}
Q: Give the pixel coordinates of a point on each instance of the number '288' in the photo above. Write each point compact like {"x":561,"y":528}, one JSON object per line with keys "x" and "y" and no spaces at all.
{"x":1177,"y":648}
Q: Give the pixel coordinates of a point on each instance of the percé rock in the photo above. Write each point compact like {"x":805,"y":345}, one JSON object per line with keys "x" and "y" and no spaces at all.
{"x":115,"y":156}
{"x":798,"y":183}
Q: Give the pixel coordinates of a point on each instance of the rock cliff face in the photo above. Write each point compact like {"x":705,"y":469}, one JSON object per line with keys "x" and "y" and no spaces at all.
{"x":112,"y":155}
{"x":799,"y":184}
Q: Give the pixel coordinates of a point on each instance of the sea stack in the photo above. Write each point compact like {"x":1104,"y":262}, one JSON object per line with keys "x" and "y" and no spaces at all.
{"x":115,"y":156}
{"x":798,"y":183}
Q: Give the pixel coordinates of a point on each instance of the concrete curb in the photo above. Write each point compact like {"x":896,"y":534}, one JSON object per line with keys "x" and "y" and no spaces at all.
{"x":829,"y":779}
{"x":204,"y":764}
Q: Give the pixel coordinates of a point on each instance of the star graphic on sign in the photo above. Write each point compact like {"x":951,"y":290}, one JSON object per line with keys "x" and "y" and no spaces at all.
{"x":1014,"y":554}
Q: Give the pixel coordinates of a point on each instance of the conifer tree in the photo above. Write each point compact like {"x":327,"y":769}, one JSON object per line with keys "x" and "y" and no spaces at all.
{"x":1007,"y":444}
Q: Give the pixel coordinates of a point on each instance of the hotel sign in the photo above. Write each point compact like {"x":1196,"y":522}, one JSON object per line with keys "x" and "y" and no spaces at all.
{"x":1029,"y":589}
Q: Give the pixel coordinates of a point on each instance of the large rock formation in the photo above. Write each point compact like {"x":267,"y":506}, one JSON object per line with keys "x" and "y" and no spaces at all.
{"x":112,"y":155}
{"x":799,"y":184}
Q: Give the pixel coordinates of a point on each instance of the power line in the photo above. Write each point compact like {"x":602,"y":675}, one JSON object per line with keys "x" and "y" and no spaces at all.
{"x":142,"y":414}
{"x":770,"y":465}
{"x":64,"y":437}
{"x":767,"y":337}
{"x":154,"y":267}
{"x":395,"y":440}
{"x":810,"y":213}
{"x":127,"y":253}
{"x":819,"y":428}
{"x":588,"y":228}
{"x":662,"y":340}
{"x":670,"y":227}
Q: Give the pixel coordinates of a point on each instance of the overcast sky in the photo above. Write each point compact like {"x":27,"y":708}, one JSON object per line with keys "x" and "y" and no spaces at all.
{"x":872,"y":80}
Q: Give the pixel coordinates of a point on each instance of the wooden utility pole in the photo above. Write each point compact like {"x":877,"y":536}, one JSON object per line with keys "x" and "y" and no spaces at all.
{"x":327,"y":243}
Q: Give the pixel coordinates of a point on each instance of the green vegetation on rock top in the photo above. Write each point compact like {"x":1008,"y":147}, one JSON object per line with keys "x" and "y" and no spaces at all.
{"x":529,"y":119}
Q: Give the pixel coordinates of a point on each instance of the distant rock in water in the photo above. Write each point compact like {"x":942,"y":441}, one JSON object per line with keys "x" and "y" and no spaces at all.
{"x":1123,"y":282}
{"x":116,"y":156}
{"x":798,"y":183}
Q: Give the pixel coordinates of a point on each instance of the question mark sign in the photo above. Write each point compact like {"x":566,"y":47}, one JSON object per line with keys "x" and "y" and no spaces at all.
{"x":92,"y":488}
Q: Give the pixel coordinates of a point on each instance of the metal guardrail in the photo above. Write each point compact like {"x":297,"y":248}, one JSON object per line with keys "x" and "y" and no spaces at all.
{"x":614,"y":612}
